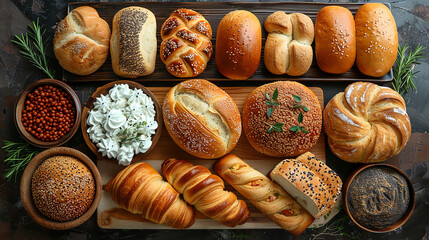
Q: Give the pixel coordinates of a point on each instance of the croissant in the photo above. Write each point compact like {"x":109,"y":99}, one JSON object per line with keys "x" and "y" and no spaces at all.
{"x":205,"y":191}
{"x":366,"y":123}
{"x":264,"y":194}
{"x":139,"y":188}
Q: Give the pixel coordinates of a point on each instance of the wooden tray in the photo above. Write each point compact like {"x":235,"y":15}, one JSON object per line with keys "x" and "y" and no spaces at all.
{"x":214,"y":12}
{"x":110,"y":216}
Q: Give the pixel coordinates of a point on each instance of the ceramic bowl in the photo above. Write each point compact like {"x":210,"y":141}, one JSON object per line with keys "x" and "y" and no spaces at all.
{"x":19,"y":107}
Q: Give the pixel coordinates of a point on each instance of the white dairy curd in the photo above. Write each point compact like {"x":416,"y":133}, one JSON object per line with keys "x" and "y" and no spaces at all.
{"x":122,"y":122}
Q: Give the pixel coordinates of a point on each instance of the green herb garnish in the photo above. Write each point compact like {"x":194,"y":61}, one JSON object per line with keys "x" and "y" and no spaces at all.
{"x":272,"y":102}
{"x":403,"y":71}
{"x":34,"y":47}
{"x":278,"y":127}
{"x":336,"y":229}
{"x":18,"y":155}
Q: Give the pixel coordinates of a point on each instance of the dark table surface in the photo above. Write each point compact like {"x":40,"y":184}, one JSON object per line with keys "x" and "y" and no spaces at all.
{"x":412,"y":19}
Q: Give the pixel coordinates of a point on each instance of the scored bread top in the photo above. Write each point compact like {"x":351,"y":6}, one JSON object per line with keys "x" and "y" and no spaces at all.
{"x":202,"y":119}
{"x":286,"y":143}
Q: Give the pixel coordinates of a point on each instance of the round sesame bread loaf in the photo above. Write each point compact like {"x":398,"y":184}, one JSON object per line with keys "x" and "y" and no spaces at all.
{"x":63,"y":188}
{"x":282,"y":141}
{"x":202,"y":118}
{"x":311,"y":182}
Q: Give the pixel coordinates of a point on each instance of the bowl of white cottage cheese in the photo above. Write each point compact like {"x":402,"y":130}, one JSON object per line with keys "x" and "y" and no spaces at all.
{"x":122,"y":120}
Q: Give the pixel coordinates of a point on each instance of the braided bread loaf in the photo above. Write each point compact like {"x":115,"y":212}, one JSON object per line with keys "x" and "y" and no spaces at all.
{"x":288,"y":46}
{"x":205,"y":191}
{"x":366,"y":123}
{"x":186,"y":47}
{"x":266,"y":195}
{"x":139,"y":188}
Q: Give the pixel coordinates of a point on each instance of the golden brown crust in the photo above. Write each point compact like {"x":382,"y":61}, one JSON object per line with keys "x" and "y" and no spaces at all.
{"x":186,"y":47}
{"x":202,"y":119}
{"x":63,"y":188}
{"x":238,"y":45}
{"x":376,"y":39}
{"x":287,"y":143}
{"x":266,"y":195}
{"x":288,"y":46}
{"x":139,"y":189}
{"x":81,"y":41}
{"x":133,"y":42}
{"x":205,"y":191}
{"x":366,"y":123}
{"x":335,"y":39}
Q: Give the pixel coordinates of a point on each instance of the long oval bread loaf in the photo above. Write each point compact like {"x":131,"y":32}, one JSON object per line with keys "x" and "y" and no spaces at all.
{"x":266,"y":195}
{"x":139,"y":188}
{"x":133,"y":42}
{"x":205,"y":191}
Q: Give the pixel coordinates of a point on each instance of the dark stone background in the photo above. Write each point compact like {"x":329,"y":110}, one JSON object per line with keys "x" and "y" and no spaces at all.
{"x":412,"y":18}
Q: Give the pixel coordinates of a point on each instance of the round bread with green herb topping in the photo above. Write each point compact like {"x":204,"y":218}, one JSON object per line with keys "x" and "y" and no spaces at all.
{"x":282,"y":119}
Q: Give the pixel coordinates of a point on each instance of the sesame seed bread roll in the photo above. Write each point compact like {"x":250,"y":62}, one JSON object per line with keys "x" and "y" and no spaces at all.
{"x":238,"y":45}
{"x":264,"y":194}
{"x":140,"y":189}
{"x":63,"y":188}
{"x":376,"y":39}
{"x":310,"y":181}
{"x":202,"y":119}
{"x":133,"y":42}
{"x":81,"y":41}
{"x":335,"y":39}
{"x":287,"y":143}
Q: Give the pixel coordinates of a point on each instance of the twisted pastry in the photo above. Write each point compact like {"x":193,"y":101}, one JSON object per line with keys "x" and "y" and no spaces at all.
{"x":264,"y":194}
{"x":366,"y":123}
{"x":205,"y":191}
{"x":139,"y":188}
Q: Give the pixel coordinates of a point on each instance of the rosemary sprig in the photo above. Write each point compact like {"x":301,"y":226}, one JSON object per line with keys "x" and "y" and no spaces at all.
{"x":403,"y":71}
{"x":18,"y":155}
{"x":335,"y":229}
{"x":34,"y":47}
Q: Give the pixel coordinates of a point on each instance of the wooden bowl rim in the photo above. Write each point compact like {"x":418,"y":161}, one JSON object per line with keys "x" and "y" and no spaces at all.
{"x":402,"y":220}
{"x":26,"y":195}
{"x":103,"y":90}
{"x":19,"y":107}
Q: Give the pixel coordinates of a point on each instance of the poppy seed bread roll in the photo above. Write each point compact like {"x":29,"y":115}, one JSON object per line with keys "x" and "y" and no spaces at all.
{"x":202,"y":119}
{"x":133,"y":42}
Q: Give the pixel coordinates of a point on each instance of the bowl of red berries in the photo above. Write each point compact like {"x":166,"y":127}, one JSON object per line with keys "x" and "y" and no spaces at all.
{"x":47,"y":113}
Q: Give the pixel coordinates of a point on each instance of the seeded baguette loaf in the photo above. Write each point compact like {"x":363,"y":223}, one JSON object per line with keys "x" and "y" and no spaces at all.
{"x":335,"y":39}
{"x":376,"y":39}
{"x":205,"y":191}
{"x":139,"y":189}
{"x":310,"y":181}
{"x":81,"y":41}
{"x":264,"y":194}
{"x":133,"y":42}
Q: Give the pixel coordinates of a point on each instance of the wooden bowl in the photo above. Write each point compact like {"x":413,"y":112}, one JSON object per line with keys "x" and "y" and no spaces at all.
{"x":401,"y":221}
{"x":104,"y":90}
{"x":19,"y":106}
{"x":26,"y":194}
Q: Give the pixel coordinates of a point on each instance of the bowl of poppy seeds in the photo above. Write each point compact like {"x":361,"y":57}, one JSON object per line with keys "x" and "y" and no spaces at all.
{"x":60,"y":188}
{"x":379,"y":197}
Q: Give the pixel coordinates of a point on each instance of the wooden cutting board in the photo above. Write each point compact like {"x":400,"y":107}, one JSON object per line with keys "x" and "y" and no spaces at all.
{"x":214,"y":12}
{"x":110,"y":216}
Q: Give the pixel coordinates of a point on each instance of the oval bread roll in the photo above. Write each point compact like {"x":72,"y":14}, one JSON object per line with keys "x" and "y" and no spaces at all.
{"x":202,"y":119}
{"x":81,"y":41}
{"x":376,"y":39}
{"x":288,"y":46}
{"x":238,"y":45}
{"x":133,"y":42}
{"x":335,"y":39}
